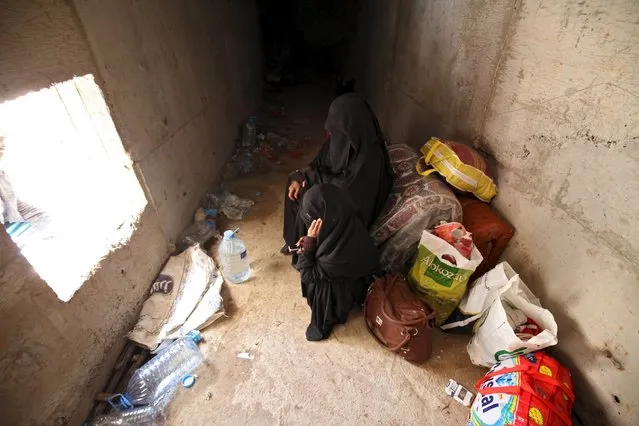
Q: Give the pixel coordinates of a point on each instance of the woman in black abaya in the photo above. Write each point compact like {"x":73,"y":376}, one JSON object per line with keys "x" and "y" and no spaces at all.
{"x":354,"y":158}
{"x":337,"y":258}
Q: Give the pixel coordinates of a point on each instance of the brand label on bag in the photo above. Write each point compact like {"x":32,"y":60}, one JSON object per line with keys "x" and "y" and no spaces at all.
{"x":442,"y":273}
{"x":379,"y":321}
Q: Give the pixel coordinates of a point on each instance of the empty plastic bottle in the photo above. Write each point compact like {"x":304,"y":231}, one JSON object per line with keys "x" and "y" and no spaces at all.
{"x":150,"y":415}
{"x":249,"y":133}
{"x":164,"y":371}
{"x":233,"y":258}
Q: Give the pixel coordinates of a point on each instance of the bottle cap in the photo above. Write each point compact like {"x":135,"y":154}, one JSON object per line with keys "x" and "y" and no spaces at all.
{"x":195,"y":335}
{"x":188,"y":380}
{"x":229,"y":234}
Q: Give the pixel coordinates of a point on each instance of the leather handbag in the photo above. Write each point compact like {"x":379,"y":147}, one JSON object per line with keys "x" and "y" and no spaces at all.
{"x":398,"y":319}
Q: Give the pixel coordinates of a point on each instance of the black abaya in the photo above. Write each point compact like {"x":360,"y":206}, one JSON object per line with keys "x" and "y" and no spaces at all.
{"x":336,"y":271}
{"x":354,"y":158}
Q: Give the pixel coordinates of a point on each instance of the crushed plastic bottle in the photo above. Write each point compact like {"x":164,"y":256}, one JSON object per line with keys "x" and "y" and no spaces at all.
{"x":233,"y":258}
{"x":249,"y":133}
{"x":153,"y":414}
{"x":164,"y":371}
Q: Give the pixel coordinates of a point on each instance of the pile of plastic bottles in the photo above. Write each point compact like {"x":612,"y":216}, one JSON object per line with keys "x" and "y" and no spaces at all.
{"x":152,"y":386}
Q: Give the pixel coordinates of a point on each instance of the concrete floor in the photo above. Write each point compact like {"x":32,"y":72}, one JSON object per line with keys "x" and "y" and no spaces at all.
{"x":347,"y":379}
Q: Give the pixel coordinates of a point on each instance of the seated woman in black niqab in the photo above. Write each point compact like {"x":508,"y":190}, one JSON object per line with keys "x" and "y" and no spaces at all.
{"x":337,"y":258}
{"x":354,"y":158}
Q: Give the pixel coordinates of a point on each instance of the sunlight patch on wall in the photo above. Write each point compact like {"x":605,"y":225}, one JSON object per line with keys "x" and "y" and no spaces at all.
{"x":76,"y":190}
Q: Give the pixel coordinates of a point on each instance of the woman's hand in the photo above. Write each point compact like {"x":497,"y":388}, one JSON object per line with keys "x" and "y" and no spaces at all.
{"x":314,"y":229}
{"x":294,"y":190}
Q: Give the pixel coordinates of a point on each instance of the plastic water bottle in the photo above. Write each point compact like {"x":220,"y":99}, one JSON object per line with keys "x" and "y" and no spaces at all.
{"x":249,"y":133}
{"x":153,"y":414}
{"x":164,"y":371}
{"x":233,"y":258}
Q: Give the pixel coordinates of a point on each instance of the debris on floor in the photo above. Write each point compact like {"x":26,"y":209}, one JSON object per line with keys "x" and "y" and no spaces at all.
{"x":153,"y":385}
{"x":459,"y":393}
{"x":197,"y":234}
{"x":230,"y":205}
{"x":245,"y":355}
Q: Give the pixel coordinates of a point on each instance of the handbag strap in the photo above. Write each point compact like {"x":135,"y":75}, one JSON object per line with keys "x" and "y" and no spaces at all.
{"x":395,"y":348}
{"x":422,"y":163}
{"x":517,"y":390}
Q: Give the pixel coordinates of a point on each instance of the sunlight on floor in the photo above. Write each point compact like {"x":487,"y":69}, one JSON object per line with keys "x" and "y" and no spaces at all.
{"x":65,"y":158}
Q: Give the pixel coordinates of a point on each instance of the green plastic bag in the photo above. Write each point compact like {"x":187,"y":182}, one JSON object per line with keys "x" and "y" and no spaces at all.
{"x":436,"y":280}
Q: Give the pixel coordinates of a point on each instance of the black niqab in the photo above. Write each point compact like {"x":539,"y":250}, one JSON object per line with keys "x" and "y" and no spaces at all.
{"x":355,"y":157}
{"x":344,"y":247}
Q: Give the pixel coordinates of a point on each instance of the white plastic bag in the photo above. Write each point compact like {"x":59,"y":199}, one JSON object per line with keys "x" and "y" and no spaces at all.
{"x":481,"y":295}
{"x":494,"y":338}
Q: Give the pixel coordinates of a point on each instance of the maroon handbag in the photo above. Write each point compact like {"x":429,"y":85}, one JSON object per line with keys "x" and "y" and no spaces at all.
{"x":398,"y":319}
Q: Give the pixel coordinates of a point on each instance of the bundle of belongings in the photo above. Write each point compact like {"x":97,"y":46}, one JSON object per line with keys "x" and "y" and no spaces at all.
{"x":184,"y":297}
{"x":450,"y":240}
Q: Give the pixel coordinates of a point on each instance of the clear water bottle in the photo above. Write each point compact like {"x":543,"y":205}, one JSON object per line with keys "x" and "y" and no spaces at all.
{"x":249,"y":133}
{"x":233,"y":258}
{"x":164,"y":371}
{"x":153,"y":414}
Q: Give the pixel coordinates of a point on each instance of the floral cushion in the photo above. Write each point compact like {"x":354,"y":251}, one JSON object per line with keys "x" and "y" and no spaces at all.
{"x":414,"y":204}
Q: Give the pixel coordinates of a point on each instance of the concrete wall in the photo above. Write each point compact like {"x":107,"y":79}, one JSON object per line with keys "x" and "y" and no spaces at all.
{"x":179,"y":78}
{"x":549,"y":88}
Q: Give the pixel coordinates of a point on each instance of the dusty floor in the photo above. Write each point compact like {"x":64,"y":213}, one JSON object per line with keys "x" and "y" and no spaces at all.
{"x":348,"y":379}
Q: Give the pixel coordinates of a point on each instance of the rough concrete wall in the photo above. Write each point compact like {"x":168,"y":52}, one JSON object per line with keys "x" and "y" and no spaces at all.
{"x":40,"y":44}
{"x":180,"y":78}
{"x":172,"y":74}
{"x":563,"y":125}
{"x":55,"y":355}
{"x":549,"y":88}
{"x":428,"y":65}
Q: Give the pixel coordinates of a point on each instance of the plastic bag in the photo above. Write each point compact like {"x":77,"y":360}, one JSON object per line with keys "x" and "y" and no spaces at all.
{"x":483,"y":292}
{"x":232,"y":206}
{"x":495,"y":339}
{"x":197,"y":234}
{"x":528,"y":390}
{"x":436,"y":280}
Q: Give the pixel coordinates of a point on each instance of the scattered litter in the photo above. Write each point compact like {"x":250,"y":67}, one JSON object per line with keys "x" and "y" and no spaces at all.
{"x":152,"y":414}
{"x":209,"y":395}
{"x":249,"y":133}
{"x":199,"y":215}
{"x":232,"y":206}
{"x":197,"y":234}
{"x":188,"y":380}
{"x":459,"y":393}
{"x":245,"y":355}
{"x":162,"y":373}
